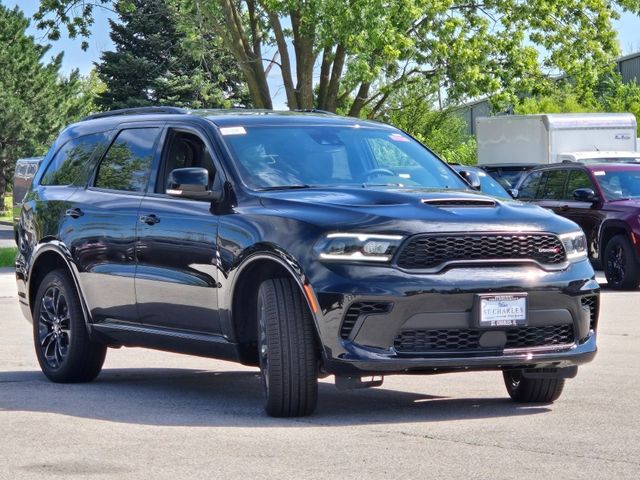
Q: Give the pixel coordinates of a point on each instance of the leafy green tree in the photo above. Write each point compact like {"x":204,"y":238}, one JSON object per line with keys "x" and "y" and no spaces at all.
{"x":367,"y":49}
{"x":610,"y":94}
{"x":35,"y":102}
{"x":153,"y":64}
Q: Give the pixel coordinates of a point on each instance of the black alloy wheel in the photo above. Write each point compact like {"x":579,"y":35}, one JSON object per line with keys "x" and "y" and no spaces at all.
{"x":65,"y":351}
{"x":620,"y":264}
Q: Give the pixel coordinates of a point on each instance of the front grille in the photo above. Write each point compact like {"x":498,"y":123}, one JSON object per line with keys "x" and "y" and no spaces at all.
{"x":359,"y":309}
{"x":430,"y":251}
{"x":467,"y":340}
{"x":591,"y":302}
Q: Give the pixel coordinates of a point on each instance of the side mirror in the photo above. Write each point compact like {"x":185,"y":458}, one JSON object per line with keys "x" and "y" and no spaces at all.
{"x":513,"y":192}
{"x":192,"y":183}
{"x":585,"y":195}
{"x":472,"y":178}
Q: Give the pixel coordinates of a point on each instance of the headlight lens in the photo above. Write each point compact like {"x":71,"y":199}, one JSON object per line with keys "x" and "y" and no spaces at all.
{"x":359,"y":246}
{"x":575,"y":245}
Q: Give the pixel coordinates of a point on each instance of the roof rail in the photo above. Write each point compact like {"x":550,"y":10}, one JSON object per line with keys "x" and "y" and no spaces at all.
{"x":137,"y":111}
{"x":312,"y":110}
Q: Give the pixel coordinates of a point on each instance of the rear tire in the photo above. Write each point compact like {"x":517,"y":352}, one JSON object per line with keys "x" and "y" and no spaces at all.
{"x":532,"y":390}
{"x":65,"y":352}
{"x":620,"y":264}
{"x":286,"y":348}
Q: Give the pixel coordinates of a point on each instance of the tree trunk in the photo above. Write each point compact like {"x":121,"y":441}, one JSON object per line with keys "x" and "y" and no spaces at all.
{"x":333,"y":89}
{"x":285,"y":61}
{"x":248,"y":61}
{"x":360,"y":100}
{"x":305,"y":59}
{"x":325,"y":72}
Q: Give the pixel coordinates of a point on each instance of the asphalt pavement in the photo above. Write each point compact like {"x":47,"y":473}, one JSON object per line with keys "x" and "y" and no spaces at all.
{"x":166,"y":416}
{"x":6,"y":236}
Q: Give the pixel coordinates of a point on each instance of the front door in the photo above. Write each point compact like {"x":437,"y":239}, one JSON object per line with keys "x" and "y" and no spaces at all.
{"x":176,"y":280}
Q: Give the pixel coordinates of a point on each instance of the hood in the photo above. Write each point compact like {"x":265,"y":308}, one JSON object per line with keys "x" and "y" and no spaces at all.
{"x":408,"y":211}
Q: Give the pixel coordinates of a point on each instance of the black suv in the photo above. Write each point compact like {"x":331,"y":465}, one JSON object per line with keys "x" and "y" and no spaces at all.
{"x":303,"y":243}
{"x":604,"y":199}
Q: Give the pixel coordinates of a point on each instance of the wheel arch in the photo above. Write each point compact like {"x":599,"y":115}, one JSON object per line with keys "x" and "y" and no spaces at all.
{"x":609,"y":230}
{"x":244,"y":296}
{"x":47,"y":257}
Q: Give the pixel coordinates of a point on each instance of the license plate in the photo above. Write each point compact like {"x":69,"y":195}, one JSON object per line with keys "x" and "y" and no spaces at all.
{"x":501,"y":310}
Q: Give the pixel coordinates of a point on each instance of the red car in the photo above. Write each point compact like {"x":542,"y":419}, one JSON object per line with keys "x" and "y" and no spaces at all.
{"x":604,"y":199}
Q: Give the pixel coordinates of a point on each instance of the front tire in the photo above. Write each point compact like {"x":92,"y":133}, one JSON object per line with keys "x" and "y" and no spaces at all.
{"x":286,"y":348}
{"x":620,"y":264}
{"x":532,"y":390}
{"x":65,"y":352}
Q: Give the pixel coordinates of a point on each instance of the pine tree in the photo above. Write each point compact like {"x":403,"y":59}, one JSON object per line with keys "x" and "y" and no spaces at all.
{"x":35,"y":101}
{"x":153,"y":65}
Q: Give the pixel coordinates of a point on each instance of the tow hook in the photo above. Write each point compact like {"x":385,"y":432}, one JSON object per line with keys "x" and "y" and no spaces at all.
{"x":352,"y":383}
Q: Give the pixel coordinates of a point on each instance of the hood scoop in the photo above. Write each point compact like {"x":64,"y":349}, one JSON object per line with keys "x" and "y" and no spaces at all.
{"x":459,"y":202}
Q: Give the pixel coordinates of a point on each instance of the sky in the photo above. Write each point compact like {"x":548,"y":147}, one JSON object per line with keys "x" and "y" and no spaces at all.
{"x":628,"y":28}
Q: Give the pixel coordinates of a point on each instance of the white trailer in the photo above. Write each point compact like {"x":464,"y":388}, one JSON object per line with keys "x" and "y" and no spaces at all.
{"x":553,"y":138}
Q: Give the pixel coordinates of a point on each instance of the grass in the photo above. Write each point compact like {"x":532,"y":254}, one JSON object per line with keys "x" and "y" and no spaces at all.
{"x":5,"y":214}
{"x":8,"y":256}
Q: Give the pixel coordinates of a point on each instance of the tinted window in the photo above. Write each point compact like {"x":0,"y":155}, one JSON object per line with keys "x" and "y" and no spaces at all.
{"x":72,"y":163}
{"x":554,"y":186}
{"x":127,"y":164}
{"x":577,"y":179}
{"x":279,"y":156}
{"x":529,"y":186}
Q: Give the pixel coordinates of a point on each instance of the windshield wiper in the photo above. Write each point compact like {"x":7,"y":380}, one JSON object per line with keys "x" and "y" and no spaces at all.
{"x":284,"y":187}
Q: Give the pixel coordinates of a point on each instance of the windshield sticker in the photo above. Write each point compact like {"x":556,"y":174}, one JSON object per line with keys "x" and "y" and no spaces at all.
{"x":599,"y":173}
{"x":396,"y":137}
{"x":404,"y":175}
{"x":233,"y":131}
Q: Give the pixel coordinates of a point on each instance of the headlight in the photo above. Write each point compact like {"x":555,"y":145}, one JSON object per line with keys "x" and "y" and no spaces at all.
{"x":575,"y":245}
{"x":358,"y":246}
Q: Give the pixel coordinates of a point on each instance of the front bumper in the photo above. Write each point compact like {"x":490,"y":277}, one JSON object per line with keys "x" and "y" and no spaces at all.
{"x":444,"y":302}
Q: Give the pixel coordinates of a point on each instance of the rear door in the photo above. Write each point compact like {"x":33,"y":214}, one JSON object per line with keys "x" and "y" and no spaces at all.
{"x":102,"y":220}
{"x":176,"y":281}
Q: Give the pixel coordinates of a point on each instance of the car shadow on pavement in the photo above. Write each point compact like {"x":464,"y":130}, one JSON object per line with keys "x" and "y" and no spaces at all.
{"x":180,"y":397}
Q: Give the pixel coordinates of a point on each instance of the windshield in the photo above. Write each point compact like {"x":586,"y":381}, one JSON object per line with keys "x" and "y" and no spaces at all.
{"x":619,"y":184}
{"x":490,"y":186}
{"x":318,"y":156}
{"x":612,"y":160}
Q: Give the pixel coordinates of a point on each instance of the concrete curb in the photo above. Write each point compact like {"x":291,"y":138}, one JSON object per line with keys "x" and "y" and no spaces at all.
{"x":5,"y":222}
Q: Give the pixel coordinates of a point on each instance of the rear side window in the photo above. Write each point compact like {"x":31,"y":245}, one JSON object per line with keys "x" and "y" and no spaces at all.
{"x":529,"y":186}
{"x":127,"y":164}
{"x":554,"y":186}
{"x":72,"y":164}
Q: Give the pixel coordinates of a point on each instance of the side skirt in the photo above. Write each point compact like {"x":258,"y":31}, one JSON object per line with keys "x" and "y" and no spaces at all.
{"x":126,"y":334}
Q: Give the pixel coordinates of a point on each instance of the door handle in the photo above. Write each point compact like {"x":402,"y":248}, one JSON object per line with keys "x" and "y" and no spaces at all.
{"x":74,"y":213}
{"x":149,"y":219}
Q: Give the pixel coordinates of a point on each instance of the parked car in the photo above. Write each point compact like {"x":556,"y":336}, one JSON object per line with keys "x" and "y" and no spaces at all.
{"x":306,"y":244}
{"x":604,"y":199}
{"x":24,"y":172}
{"x":488,"y":184}
{"x":508,"y":175}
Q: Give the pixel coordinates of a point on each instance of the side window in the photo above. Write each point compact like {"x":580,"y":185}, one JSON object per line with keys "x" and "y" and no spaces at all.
{"x":529,"y":186}
{"x":72,"y":163}
{"x":554,"y":186}
{"x":185,"y":150}
{"x":127,"y":164}
{"x":577,"y":179}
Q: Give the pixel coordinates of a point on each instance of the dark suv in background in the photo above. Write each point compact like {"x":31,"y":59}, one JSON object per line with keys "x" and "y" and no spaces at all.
{"x":303,"y":243}
{"x":604,"y":199}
